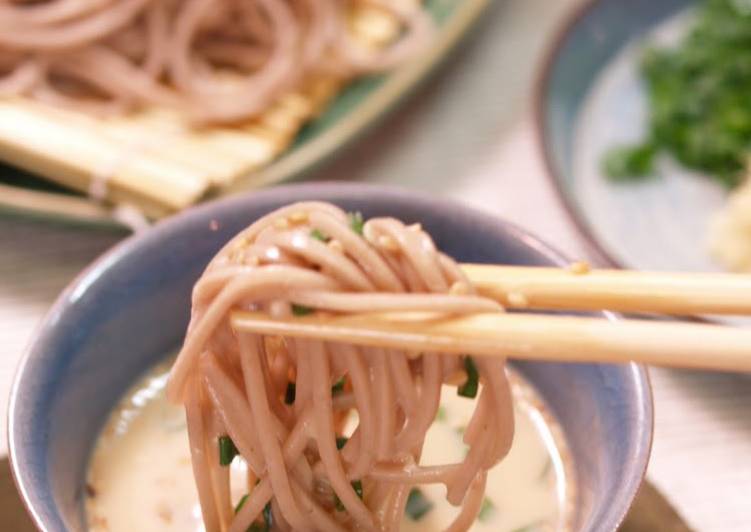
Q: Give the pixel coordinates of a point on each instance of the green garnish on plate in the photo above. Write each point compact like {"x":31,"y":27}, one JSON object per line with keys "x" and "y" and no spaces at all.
{"x":698,"y":95}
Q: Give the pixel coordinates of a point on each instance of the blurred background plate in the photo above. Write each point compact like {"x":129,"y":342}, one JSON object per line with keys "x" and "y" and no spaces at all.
{"x":357,"y":107}
{"x":590,"y":98}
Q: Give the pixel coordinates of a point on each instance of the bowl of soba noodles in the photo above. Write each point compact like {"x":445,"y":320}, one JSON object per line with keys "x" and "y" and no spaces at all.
{"x":142,"y":405}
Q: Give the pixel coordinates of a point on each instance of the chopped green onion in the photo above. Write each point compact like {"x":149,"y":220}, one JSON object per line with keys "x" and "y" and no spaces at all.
{"x":241,"y":502}
{"x":357,"y":486}
{"x":319,"y":235}
{"x":341,"y":442}
{"x":301,"y":310}
{"x":469,"y":388}
{"x":338,"y":504}
{"x":486,"y":511}
{"x":289,"y":395}
{"x":440,"y":415}
{"x":356,"y":222}
{"x":460,"y":430}
{"x":268,"y":517}
{"x":530,"y":527}
{"x":227,"y":450}
{"x":417,"y":505}
{"x":629,"y":162}
{"x":338,"y":387}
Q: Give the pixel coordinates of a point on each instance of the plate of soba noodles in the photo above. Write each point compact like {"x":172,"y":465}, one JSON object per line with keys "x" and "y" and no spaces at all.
{"x":148,"y":402}
{"x":118,"y":112}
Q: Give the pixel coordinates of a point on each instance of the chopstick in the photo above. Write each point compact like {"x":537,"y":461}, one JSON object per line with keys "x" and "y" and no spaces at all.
{"x":577,"y":288}
{"x":525,"y":337}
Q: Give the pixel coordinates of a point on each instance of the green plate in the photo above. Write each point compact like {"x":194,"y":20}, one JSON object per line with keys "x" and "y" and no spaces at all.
{"x":358,"y":106}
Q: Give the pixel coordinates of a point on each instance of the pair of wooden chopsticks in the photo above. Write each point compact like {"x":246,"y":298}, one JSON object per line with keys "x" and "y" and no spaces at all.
{"x":554,"y":337}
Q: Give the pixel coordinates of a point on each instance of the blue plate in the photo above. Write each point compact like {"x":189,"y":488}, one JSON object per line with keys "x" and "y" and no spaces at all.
{"x":131,"y":307}
{"x":590,"y":98}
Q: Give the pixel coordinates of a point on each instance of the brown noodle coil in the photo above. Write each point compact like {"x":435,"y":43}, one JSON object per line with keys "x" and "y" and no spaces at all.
{"x":216,"y":60}
{"x":235,"y":383}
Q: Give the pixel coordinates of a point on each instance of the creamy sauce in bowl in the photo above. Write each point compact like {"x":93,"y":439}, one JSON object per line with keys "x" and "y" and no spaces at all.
{"x":140,"y":475}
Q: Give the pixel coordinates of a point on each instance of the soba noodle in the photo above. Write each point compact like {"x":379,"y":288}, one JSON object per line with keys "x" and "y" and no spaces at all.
{"x":273,"y":396}
{"x":218,"y":60}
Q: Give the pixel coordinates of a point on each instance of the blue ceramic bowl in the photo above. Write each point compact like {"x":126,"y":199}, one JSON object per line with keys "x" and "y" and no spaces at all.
{"x":131,"y":307}
{"x":588,"y":100}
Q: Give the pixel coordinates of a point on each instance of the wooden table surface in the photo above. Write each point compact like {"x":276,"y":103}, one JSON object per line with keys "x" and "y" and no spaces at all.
{"x":468,"y":136}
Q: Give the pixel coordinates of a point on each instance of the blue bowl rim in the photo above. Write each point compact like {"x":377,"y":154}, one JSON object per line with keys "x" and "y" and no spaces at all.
{"x":541,"y":133}
{"x":331,"y":191}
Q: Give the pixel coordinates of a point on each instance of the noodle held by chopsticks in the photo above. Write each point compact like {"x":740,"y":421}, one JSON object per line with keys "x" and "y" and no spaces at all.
{"x":287,"y":405}
{"x":219,"y":61}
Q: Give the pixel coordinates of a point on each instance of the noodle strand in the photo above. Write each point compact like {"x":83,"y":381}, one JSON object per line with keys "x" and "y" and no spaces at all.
{"x":332,"y":434}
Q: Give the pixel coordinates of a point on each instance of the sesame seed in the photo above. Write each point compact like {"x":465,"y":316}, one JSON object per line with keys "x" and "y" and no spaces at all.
{"x":388,"y":243}
{"x":281,"y":223}
{"x":579,"y":268}
{"x":459,"y":288}
{"x":298,"y":217}
{"x":517,"y":299}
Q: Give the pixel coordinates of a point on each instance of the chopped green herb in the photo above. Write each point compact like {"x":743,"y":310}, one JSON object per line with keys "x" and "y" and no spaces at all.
{"x":629,"y":162}
{"x":318,"y":235}
{"x":417,"y":505}
{"x":356,"y":222}
{"x":289,"y":395}
{"x":338,"y":387}
{"x":338,"y":504}
{"x":341,"y":442}
{"x":460,"y":430}
{"x":469,"y":388}
{"x":301,"y":310}
{"x":530,"y":527}
{"x":268,"y":516}
{"x":440,"y":414}
{"x":486,"y":511}
{"x":697,"y":92}
{"x":227,"y":450}
{"x":357,"y":486}
{"x":241,"y":502}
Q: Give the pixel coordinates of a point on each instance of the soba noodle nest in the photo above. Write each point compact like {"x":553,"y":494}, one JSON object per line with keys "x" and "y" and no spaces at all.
{"x":313,"y":257}
{"x":218,"y":60}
